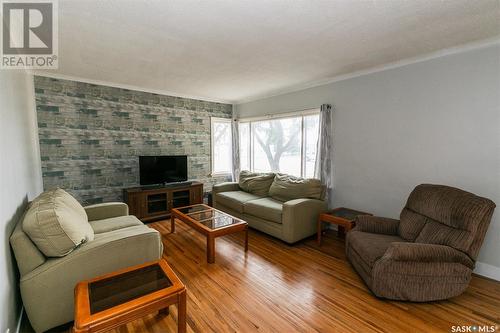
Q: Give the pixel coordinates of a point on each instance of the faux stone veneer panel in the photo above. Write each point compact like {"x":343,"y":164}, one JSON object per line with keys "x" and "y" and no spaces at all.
{"x":91,"y":136}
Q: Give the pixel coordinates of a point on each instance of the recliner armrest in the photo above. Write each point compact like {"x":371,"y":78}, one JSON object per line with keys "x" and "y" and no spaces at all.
{"x":106,"y":210}
{"x":422,"y":252}
{"x":377,"y":225}
{"x":225,"y":187}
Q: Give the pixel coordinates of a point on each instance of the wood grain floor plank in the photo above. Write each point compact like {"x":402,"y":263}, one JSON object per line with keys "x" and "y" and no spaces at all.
{"x":275,"y":287}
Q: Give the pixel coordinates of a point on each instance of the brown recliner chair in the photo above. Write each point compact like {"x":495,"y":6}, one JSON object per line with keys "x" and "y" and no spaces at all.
{"x":429,"y":253}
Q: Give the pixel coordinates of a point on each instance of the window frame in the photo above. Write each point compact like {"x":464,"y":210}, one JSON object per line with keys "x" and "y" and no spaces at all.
{"x":251,"y":146}
{"x":214,"y":120}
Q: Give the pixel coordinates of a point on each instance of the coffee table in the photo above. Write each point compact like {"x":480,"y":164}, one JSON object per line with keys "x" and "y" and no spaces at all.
{"x":210,"y":222}
{"x":114,"y":299}
{"x":343,"y":217}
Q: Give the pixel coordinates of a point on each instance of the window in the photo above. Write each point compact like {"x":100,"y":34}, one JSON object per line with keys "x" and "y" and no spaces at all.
{"x":221,"y":145}
{"x":286,"y":145}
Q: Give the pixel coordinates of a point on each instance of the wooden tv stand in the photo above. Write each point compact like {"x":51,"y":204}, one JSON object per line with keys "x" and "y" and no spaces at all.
{"x":153,"y":203}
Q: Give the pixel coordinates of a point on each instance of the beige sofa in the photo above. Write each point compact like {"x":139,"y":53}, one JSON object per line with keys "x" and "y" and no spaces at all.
{"x":118,"y":240}
{"x":282,"y":206}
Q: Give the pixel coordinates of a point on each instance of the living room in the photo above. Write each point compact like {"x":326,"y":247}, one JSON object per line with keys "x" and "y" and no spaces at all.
{"x":238,"y":166}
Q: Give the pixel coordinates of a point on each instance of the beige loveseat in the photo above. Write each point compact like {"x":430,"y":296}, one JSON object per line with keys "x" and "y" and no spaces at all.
{"x":51,"y":264}
{"x":282,"y":206}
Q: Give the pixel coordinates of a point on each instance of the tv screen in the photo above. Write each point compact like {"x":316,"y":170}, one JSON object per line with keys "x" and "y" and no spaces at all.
{"x":162,"y":169}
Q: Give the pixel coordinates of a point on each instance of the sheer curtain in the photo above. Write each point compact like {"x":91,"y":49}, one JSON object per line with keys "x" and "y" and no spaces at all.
{"x":324,"y":153}
{"x":235,"y":134}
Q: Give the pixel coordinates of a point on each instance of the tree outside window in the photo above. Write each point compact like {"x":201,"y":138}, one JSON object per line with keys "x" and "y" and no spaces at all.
{"x":286,"y":145}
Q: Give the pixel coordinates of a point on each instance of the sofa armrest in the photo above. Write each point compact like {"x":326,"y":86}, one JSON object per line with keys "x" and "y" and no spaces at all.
{"x":51,"y":285}
{"x":422,"y":252}
{"x":299,"y":218}
{"x":377,"y":225}
{"x":106,"y":210}
{"x":225,"y":187}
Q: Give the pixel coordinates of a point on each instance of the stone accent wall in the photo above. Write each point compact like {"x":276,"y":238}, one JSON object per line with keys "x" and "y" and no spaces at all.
{"x":91,"y":136}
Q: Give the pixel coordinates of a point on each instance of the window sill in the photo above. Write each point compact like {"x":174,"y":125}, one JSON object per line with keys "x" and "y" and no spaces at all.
{"x":219,"y":174}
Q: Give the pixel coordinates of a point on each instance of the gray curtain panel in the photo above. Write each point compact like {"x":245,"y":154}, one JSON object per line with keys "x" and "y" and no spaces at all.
{"x":324,"y":154}
{"x":236,"y":150}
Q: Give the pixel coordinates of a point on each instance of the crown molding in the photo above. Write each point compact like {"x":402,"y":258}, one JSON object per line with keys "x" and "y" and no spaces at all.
{"x":400,"y":63}
{"x":124,"y":86}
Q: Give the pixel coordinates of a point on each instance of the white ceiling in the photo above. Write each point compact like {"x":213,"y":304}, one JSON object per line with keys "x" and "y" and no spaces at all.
{"x":228,"y":50}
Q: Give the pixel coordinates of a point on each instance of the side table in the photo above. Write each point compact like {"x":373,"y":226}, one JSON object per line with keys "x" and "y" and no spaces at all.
{"x":109,"y":301}
{"x":342,"y":217}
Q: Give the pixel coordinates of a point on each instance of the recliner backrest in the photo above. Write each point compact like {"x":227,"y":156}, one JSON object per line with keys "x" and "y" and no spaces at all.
{"x":439,"y":214}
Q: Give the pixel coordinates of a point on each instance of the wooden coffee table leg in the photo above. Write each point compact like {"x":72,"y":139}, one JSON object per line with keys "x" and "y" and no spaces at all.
{"x":246,"y":239}
{"x":172,"y":223}
{"x":181,"y":312}
{"x":319,"y":231}
{"x":210,"y":249}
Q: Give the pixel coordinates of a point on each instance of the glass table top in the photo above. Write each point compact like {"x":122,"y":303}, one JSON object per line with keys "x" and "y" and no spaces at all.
{"x":116,"y":290}
{"x":346,"y":213}
{"x":209,"y":216}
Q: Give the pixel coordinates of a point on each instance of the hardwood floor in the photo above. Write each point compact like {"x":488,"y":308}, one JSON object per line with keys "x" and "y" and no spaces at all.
{"x":280,"y":288}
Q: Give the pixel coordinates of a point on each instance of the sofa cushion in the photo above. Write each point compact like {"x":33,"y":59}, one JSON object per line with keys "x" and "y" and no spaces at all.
{"x":235,"y":199}
{"x":57,"y":223}
{"x":265,"y":208}
{"x":370,"y":247}
{"x":286,"y":187}
{"x":256,"y":183}
{"x":114,"y":223}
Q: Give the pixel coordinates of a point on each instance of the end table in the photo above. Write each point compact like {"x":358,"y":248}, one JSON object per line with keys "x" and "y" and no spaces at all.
{"x":342,"y":217}
{"x":109,"y":301}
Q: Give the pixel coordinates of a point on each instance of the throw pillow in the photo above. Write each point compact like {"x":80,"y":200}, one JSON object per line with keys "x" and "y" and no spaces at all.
{"x":286,"y":187}
{"x":256,"y":183}
{"x":57,"y":223}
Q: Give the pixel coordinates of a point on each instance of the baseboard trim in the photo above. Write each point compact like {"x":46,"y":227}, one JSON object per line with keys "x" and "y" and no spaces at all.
{"x":20,"y":320}
{"x":487,"y":270}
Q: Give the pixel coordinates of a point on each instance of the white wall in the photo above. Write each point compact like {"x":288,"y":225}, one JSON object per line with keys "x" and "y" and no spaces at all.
{"x":436,"y":121}
{"x":20,"y":181}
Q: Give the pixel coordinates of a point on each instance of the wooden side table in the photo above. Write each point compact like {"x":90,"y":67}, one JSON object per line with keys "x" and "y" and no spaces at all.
{"x":342,"y":217}
{"x":109,"y":301}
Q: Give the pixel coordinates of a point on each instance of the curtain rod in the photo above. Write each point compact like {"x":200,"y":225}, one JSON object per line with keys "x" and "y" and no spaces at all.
{"x":307,"y":111}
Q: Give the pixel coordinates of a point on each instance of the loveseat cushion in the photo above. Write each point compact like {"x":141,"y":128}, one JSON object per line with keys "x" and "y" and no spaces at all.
{"x":256,"y":183}
{"x":265,"y":208}
{"x":114,"y":223}
{"x":57,"y":223}
{"x":235,"y":199}
{"x":286,"y":187}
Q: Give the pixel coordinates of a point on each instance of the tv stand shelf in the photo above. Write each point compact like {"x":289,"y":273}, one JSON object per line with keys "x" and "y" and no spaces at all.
{"x":155,"y":203}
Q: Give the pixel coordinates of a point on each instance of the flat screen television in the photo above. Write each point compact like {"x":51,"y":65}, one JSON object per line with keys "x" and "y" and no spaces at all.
{"x":162,"y":169}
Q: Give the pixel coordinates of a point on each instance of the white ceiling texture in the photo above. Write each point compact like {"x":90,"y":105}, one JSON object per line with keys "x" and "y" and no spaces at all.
{"x":235,"y":50}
